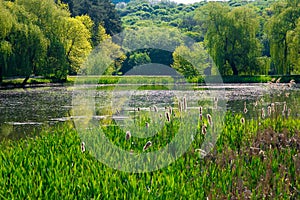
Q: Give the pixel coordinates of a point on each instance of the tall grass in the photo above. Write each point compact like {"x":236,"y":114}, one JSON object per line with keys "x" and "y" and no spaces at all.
{"x":259,"y":158}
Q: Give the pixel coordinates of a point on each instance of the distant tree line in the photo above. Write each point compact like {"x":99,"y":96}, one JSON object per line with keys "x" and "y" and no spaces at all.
{"x":54,"y":38}
{"x":242,"y":37}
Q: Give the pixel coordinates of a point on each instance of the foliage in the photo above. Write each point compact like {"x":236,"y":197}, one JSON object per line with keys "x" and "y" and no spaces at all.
{"x":192,"y":61}
{"x":102,"y":12}
{"x":242,"y":37}
{"x":231,"y":38}
{"x":283,"y":33}
{"x":40,"y":38}
{"x":248,"y":161}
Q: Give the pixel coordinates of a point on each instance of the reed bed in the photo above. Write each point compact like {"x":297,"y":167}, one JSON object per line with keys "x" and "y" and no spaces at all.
{"x":254,"y":158}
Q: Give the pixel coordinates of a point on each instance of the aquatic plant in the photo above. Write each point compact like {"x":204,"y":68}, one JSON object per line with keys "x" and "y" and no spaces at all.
{"x":249,"y":161}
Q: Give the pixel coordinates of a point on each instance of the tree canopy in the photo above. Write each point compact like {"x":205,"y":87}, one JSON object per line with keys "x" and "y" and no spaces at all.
{"x":41,"y":38}
{"x":59,"y":38}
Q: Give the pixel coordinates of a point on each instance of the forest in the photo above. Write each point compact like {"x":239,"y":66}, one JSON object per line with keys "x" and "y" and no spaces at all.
{"x":53,"y":39}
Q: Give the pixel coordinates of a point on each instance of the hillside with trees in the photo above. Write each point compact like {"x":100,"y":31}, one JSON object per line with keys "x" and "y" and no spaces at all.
{"x":242,"y":37}
{"x":54,"y":38}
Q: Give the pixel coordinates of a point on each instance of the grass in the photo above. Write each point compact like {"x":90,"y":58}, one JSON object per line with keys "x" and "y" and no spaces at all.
{"x":169,"y":79}
{"x":121,"y":79}
{"x":17,"y":82}
{"x":257,"y":159}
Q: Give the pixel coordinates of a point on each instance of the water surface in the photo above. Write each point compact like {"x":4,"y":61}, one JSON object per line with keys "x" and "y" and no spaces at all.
{"x":27,"y":111}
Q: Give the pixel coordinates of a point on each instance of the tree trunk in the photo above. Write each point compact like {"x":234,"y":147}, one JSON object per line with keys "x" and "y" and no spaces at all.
{"x":234,"y":69}
{"x":25,"y":81}
{"x":1,"y":78}
{"x":285,"y":63}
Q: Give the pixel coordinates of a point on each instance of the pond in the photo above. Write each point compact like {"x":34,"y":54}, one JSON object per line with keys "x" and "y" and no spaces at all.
{"x":24,"y":112}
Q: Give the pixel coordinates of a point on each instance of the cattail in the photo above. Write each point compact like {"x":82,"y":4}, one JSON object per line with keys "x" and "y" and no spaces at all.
{"x":138,"y":109}
{"x":200,"y":109}
{"x":155,"y":109}
{"x":202,"y":152}
{"x":184,"y":104}
{"x":168,"y":116}
{"x":179,"y":106}
{"x":117,"y":111}
{"x":284,"y":107}
{"x":278,"y":80}
{"x":287,"y":95}
{"x":147,"y":125}
{"x":200,"y":117}
{"x":128,"y":135}
{"x":147,"y":145}
{"x":245,"y":107}
{"x":209,"y":119}
{"x":283,"y":113}
{"x":204,"y":130}
{"x":289,"y":112}
{"x":273,"y":107}
{"x":160,"y":115}
{"x":170,"y":110}
{"x":291,"y":83}
{"x":82,"y":147}
{"x":269,"y":111}
{"x":255,"y":105}
{"x":242,"y":120}
{"x":263,"y":115}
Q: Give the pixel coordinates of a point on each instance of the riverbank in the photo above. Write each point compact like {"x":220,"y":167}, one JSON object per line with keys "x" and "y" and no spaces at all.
{"x":41,"y":82}
{"x":32,"y":82}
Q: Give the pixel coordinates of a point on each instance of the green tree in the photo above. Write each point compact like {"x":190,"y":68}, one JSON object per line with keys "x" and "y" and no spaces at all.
{"x":6,"y":23}
{"x":50,"y":18}
{"x":27,"y":42}
{"x":192,"y":61}
{"x":139,"y":58}
{"x":106,"y":58}
{"x":39,"y":37}
{"x":279,"y":27}
{"x":102,"y":12}
{"x":77,"y":42}
{"x":231,"y":37}
{"x":293,"y":39}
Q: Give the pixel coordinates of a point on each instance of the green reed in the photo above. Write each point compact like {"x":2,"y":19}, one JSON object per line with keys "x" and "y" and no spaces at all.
{"x":259,"y":158}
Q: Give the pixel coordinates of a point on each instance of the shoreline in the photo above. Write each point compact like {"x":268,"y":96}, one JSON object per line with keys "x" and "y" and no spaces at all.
{"x":109,"y":80}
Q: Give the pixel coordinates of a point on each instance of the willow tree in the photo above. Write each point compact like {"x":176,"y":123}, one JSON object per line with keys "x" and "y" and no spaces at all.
{"x":6,"y":23}
{"x":293,"y":38}
{"x":39,"y":37}
{"x":280,"y":26}
{"x":231,"y":37}
{"x":25,"y":41}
